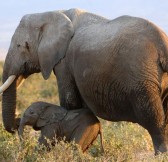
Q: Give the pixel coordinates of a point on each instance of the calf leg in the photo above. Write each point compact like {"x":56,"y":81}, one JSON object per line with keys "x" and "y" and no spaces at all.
{"x":43,"y":142}
{"x":86,"y":135}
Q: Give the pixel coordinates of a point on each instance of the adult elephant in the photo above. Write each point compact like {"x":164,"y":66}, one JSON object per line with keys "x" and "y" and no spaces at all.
{"x":117,"y":67}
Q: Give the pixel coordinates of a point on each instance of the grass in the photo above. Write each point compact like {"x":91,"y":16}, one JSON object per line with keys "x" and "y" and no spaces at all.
{"x":122,"y":141}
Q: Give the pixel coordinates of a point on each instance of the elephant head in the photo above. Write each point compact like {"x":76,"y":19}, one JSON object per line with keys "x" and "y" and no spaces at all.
{"x":40,"y":114}
{"x":38,"y":44}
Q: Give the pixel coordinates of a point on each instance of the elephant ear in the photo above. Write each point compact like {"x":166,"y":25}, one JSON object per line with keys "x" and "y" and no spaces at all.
{"x":72,"y":114}
{"x":55,"y":35}
{"x":51,"y":115}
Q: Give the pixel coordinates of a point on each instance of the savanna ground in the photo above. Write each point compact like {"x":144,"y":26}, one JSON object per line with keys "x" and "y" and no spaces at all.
{"x":122,"y":141}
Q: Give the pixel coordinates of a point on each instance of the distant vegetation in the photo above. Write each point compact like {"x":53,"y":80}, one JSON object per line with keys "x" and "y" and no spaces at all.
{"x":122,"y":141}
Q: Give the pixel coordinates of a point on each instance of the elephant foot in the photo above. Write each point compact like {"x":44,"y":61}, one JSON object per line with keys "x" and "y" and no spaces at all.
{"x":160,"y":144}
{"x":161,"y":149}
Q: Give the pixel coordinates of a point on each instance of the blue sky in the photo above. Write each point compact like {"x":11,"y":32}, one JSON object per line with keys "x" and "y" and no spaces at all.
{"x":11,"y":11}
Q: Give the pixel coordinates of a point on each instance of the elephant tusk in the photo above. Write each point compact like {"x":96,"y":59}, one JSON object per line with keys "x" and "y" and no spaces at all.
{"x":7,"y":83}
{"x":20,"y":81}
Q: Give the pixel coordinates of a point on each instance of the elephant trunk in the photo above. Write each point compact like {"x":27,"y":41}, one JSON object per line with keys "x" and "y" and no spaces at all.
{"x":21,"y":129}
{"x":9,"y":105}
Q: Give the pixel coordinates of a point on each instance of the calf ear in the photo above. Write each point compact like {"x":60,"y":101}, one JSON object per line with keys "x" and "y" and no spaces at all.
{"x":42,"y":122}
{"x":51,"y":115}
{"x":71,"y":116}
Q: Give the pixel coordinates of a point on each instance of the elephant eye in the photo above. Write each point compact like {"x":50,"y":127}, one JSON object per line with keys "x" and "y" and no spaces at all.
{"x":18,"y":45}
{"x":27,"y":46}
{"x":31,"y":112}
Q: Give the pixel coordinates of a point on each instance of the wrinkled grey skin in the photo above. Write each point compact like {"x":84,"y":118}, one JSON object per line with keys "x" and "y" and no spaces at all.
{"x":114,"y":67}
{"x":79,"y":125}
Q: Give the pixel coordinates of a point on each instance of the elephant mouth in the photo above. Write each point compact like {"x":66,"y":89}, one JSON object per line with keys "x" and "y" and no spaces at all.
{"x":25,"y":71}
{"x":29,"y":68}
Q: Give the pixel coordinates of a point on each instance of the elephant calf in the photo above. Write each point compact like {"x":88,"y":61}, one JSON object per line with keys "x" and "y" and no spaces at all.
{"x":80,"y":125}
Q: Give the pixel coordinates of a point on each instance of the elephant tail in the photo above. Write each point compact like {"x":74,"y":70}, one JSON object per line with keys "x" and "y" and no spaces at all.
{"x":101,"y":139}
{"x":164,"y":102}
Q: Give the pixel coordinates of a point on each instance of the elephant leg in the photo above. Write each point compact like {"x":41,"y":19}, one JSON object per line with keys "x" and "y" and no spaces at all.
{"x":68,"y":92}
{"x":149,"y":112}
